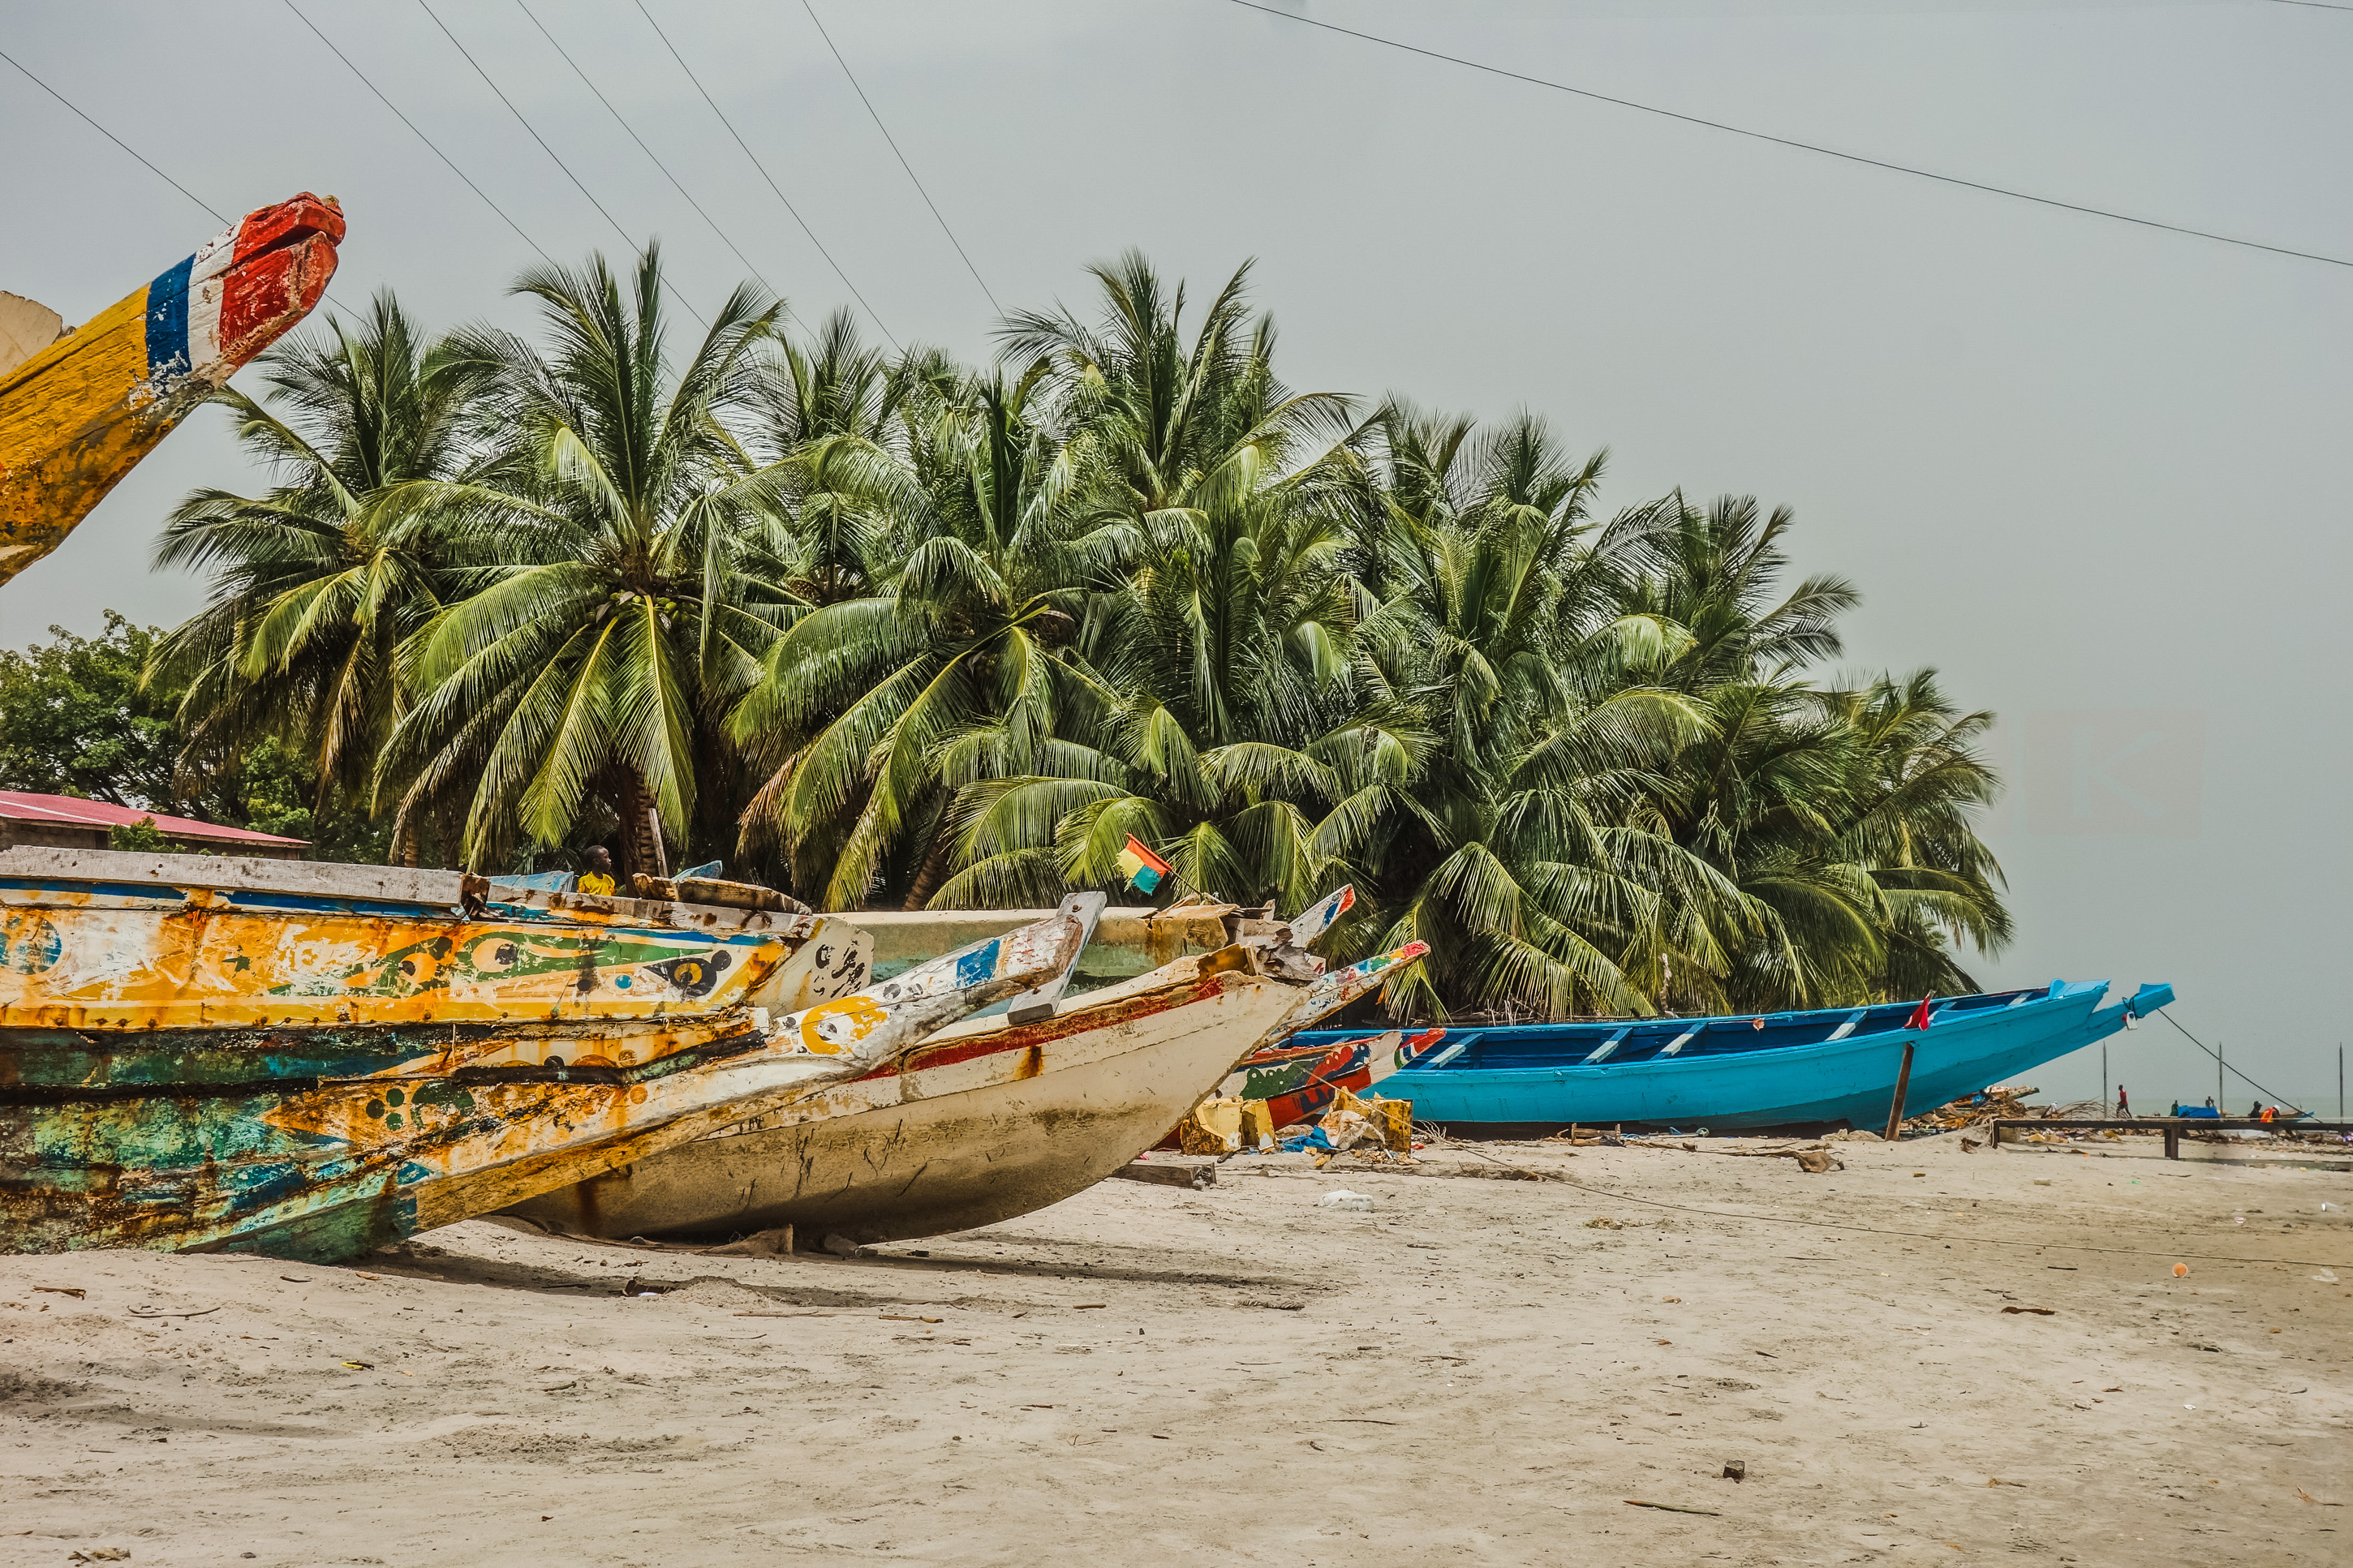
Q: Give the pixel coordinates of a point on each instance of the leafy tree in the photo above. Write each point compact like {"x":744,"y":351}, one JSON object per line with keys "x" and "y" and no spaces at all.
{"x":79,"y":717}
{"x":75,"y":721}
{"x":141,"y":834}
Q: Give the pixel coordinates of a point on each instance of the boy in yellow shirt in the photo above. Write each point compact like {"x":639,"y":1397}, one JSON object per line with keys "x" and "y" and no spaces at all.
{"x":598,"y":878}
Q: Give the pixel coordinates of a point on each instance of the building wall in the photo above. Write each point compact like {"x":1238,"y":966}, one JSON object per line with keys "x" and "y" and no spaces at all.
{"x":50,"y":835}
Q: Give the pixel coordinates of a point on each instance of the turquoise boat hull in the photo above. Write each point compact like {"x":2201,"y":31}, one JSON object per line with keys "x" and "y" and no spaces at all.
{"x":1773,"y":1069}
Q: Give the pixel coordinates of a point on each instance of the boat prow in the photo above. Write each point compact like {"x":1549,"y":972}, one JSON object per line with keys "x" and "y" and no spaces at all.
{"x":78,"y":412}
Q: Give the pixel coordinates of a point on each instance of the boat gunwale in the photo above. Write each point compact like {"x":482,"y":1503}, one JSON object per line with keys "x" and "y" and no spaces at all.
{"x":1619,"y":1066}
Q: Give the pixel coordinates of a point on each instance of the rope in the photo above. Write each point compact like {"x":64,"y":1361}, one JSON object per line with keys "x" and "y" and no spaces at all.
{"x":2275,"y":1098}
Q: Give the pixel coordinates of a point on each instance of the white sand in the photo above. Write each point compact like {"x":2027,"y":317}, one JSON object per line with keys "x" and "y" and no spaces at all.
{"x":1469,"y":1374}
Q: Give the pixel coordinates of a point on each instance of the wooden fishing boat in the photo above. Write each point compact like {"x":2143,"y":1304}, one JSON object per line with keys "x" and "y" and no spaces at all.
{"x":990,"y":1118}
{"x":309,"y":1060}
{"x":1751,"y":1070}
{"x":1299,"y":1082}
{"x":79,"y":411}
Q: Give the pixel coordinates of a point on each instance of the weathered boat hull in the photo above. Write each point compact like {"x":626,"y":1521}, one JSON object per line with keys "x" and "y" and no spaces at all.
{"x":80,"y":413}
{"x":131,"y":949}
{"x":987,"y":1122}
{"x":173,"y":1076}
{"x":1744,"y":1075}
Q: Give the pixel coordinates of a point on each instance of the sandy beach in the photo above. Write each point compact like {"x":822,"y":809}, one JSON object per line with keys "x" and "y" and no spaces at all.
{"x":1474,"y":1371}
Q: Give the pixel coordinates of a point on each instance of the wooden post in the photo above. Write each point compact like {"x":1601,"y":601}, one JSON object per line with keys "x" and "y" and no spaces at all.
{"x":1903,"y":1083}
{"x":2173,"y":1139}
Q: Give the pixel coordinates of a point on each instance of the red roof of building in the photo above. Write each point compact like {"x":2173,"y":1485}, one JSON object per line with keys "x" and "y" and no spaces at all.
{"x":71,"y":809}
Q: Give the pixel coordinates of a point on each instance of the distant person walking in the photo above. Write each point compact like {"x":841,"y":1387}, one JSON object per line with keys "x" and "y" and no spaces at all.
{"x":598,"y":878}
{"x":2124,"y":1105}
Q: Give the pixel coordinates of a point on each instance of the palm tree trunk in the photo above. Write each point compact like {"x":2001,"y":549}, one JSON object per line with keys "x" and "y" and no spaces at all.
{"x":935,"y":866}
{"x":642,"y":852}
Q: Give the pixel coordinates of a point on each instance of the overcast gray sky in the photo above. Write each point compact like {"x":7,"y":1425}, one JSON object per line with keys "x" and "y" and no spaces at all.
{"x":2091,"y":471}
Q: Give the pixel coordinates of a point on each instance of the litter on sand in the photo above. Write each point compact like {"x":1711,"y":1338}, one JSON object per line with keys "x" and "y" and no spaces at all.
{"x":1342,"y":1198}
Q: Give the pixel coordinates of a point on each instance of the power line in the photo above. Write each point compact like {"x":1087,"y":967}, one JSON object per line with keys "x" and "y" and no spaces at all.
{"x":1801,"y":146}
{"x":2313,"y":4}
{"x":642,"y":147}
{"x":2275,"y":1098}
{"x":420,"y":134}
{"x":111,"y":136}
{"x":627,"y":238}
{"x":870,"y":110}
{"x":763,"y":168}
{"x":217,"y":216}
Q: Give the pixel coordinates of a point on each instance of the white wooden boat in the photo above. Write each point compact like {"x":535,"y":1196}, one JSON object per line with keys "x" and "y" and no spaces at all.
{"x":989,"y":1119}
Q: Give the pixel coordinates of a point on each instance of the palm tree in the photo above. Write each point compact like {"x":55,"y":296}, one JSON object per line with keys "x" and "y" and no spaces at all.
{"x":633,"y":595}
{"x":1516,"y":847}
{"x":962,"y":669}
{"x":1844,"y":817}
{"x":318,"y":582}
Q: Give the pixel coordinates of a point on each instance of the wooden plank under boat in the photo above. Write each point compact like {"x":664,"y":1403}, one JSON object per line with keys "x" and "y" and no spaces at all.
{"x":990,"y":1119}
{"x":1771,"y":1070}
{"x":309,"y":1060}
{"x":80,"y":412}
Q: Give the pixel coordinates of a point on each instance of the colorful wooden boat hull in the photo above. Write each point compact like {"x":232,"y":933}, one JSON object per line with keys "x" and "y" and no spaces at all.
{"x":986,"y":1121}
{"x":1836,"y":1065}
{"x":80,"y":414}
{"x":133,"y":1119}
{"x":1299,"y":1083}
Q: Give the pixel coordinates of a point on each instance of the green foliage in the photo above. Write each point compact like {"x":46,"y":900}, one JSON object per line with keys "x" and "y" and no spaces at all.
{"x":896,"y":631}
{"x":74,"y":721}
{"x":140,"y":834}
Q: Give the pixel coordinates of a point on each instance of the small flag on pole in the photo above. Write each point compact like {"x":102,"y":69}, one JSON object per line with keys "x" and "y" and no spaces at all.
{"x":1144,"y":869}
{"x":1919,"y":1019}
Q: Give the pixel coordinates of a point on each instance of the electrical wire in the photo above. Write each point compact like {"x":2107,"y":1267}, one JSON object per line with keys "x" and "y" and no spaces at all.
{"x":2275,"y":1098}
{"x":877,"y":117}
{"x":1801,"y":146}
{"x":217,"y":216}
{"x":2313,"y":4}
{"x":111,"y":136}
{"x":627,"y":237}
{"x":649,"y":151}
{"x":420,"y":134}
{"x":763,"y":168}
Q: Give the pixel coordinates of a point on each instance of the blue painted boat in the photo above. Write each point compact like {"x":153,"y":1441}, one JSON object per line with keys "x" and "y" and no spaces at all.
{"x":1771,"y":1070}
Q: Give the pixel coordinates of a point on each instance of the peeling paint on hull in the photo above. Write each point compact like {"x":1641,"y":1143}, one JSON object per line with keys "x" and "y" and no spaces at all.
{"x":988,"y":1120}
{"x":119,"y":1126}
